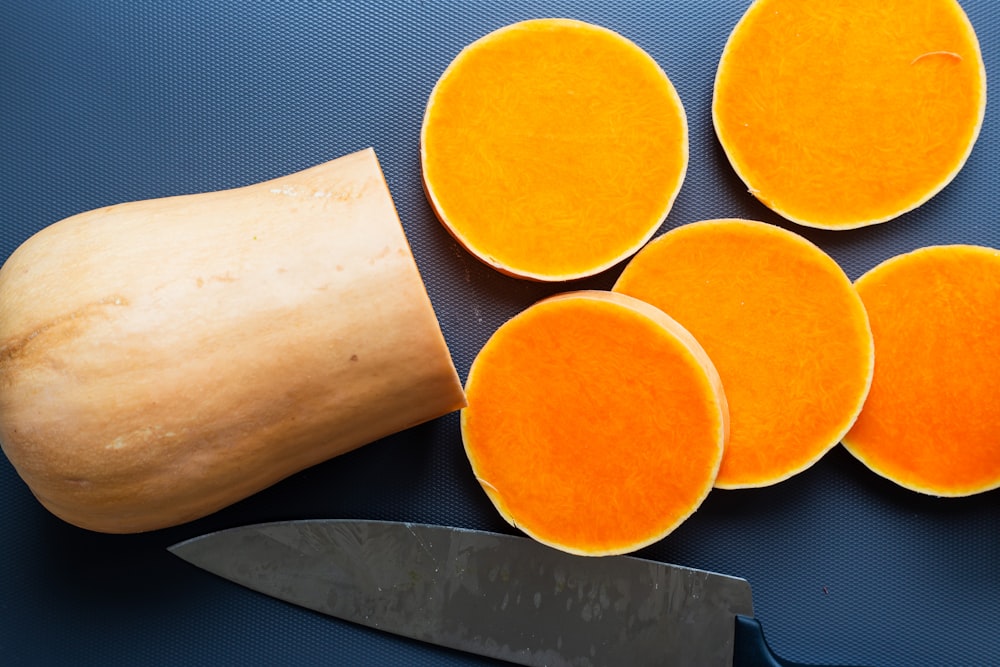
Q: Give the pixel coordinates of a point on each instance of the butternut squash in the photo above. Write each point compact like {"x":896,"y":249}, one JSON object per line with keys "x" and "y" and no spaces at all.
{"x":845,"y":113}
{"x":595,"y":422}
{"x":930,"y":421}
{"x":783,"y":325}
{"x":162,"y":359}
{"x":552,"y":149}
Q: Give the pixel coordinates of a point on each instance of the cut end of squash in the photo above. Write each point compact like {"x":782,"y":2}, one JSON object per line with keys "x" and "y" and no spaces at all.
{"x":595,"y":423}
{"x":783,"y":325}
{"x":850,"y":113}
{"x":552,"y":149}
{"x":930,"y":421}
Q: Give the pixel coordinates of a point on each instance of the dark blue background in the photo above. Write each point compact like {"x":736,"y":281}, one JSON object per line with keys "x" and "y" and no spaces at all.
{"x":104,"y":102}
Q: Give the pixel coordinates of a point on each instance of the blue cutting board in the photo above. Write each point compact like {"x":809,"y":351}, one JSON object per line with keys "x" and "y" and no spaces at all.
{"x":105,"y":102}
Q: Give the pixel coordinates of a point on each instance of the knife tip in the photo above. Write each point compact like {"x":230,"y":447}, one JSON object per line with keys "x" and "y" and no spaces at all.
{"x":181,"y":549}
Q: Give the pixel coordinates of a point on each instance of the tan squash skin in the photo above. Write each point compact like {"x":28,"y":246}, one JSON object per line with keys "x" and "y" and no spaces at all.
{"x":162,"y":359}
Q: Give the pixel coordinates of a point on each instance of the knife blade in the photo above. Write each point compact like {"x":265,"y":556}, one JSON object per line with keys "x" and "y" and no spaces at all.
{"x":502,"y":596}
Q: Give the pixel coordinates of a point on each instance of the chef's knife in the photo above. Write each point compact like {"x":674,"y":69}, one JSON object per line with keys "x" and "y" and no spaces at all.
{"x":497,"y":595}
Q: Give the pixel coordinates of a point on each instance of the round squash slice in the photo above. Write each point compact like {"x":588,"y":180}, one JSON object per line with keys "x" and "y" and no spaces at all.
{"x":849,"y":113}
{"x":595,"y":423}
{"x":782,"y":324}
{"x":930,"y":421}
{"x":552,"y":149}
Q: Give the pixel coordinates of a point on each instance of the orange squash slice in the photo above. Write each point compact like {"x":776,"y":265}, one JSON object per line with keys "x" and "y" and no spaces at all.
{"x":783,"y":325}
{"x":931,"y":420}
{"x":845,"y":113}
{"x":552,"y":149}
{"x":595,"y":423}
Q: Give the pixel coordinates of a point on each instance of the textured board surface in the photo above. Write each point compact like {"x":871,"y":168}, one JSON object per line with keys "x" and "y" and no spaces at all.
{"x":105,"y":102}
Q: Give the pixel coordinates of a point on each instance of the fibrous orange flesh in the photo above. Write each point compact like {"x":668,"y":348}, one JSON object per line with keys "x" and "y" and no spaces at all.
{"x":552,"y":149}
{"x":783,"y":326}
{"x":931,"y":420}
{"x":595,"y":423}
{"x":839,"y":114}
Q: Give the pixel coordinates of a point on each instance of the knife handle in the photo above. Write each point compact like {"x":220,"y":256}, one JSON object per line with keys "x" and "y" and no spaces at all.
{"x":751,"y":649}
